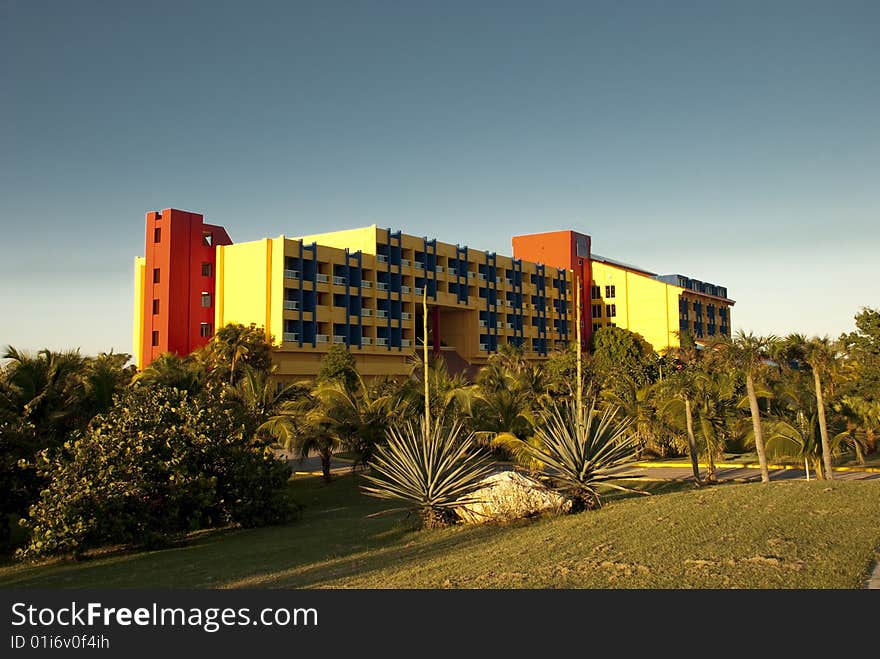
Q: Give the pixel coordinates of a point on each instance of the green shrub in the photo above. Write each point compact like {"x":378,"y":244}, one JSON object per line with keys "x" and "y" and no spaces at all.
{"x":156,"y":466}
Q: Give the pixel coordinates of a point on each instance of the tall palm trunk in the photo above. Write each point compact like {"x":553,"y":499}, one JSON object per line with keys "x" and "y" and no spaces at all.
{"x":756,"y":425}
{"x":325,"y":465}
{"x":692,"y":440}
{"x":823,"y":427}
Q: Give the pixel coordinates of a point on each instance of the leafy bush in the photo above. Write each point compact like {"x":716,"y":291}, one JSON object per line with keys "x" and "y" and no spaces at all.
{"x":432,"y":472}
{"x":157,"y":465}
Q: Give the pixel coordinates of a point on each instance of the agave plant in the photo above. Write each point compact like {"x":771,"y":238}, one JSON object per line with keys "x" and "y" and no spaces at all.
{"x":433,"y":472}
{"x":579,"y":450}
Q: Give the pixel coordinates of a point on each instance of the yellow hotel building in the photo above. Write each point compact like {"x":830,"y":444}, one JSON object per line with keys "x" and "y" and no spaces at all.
{"x":363,"y":288}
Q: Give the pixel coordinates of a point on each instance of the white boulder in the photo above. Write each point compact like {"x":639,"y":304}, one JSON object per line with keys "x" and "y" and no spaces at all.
{"x":508,"y":495}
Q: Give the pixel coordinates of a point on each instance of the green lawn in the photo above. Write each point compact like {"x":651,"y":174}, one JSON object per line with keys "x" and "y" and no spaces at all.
{"x":787,"y":534}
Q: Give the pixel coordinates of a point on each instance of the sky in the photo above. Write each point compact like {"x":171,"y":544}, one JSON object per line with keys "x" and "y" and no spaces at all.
{"x":734,"y":142}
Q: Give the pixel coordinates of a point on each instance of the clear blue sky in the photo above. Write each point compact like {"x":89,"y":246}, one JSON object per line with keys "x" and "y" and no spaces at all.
{"x":735,"y":142}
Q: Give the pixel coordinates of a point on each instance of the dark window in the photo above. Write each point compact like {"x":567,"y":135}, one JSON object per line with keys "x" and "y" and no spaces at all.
{"x":155,"y":337}
{"x":207,"y":270}
{"x":155,"y":307}
{"x":611,"y":310}
{"x":205,"y":329}
{"x":610,"y":291}
{"x":596,"y":327}
{"x":206,"y":299}
{"x":581,"y":246}
{"x":597,"y":311}
{"x":155,"y":275}
{"x":157,"y":235}
{"x":207,"y":238}
{"x":595,"y":292}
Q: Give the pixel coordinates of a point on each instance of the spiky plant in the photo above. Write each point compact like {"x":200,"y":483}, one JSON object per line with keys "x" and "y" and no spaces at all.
{"x":580,"y":450}
{"x":431,"y":472}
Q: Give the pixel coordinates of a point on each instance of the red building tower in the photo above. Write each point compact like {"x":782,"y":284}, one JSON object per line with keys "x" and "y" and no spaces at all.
{"x":177,"y":283}
{"x":563,"y":249}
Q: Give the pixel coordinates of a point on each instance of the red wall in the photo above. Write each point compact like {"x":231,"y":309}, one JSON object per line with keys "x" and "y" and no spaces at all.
{"x":179,"y":255}
{"x":559,"y":249}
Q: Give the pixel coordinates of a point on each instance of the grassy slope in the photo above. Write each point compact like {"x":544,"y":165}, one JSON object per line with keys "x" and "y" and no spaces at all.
{"x":790,"y":534}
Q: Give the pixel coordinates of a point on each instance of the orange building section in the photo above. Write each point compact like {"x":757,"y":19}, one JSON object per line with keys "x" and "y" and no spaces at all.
{"x":178,"y":283}
{"x":562,"y":249}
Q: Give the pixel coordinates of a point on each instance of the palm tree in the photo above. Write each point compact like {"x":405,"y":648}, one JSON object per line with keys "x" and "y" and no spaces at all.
{"x":822,"y":354}
{"x":267,"y":408}
{"x":748,"y":353}
{"x":681,"y":391}
{"x":170,"y":370}
{"x":46,"y":390}
{"x":635,"y":401}
{"x":359,"y":418}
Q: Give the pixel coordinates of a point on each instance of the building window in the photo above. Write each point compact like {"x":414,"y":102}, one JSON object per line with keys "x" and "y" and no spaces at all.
{"x":207,"y":270}
{"x":612,"y":325}
{"x":207,"y":238}
{"x":610,"y":291}
{"x":155,"y":275}
{"x":155,"y":337}
{"x":157,"y":235}
{"x":596,"y":327}
{"x":595,"y":292}
{"x":205,"y":330}
{"x":206,"y":299}
{"x":611,"y":310}
{"x":155,"y":307}
{"x":597,"y":311}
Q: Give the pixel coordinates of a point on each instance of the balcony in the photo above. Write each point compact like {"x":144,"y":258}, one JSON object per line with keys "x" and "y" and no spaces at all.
{"x":404,"y":263}
{"x":381,"y":286}
{"x":418,"y":265}
{"x":481,"y":276}
{"x":381,"y":313}
{"x":471,"y":275}
{"x":291,"y":336}
{"x":439,"y":268}
{"x":381,"y":258}
{"x":380,"y":341}
{"x":291,"y":274}
{"x":509,"y":326}
{"x":366,"y":312}
{"x":482,"y":323}
{"x":406,"y":316}
{"x":338,"y":339}
{"x":322,"y":278}
{"x":366,"y":341}
{"x":291,"y":305}
{"x":404,"y":343}
{"x":405,"y":289}
{"x":497,"y":280}
{"x":366,"y":284}
{"x":321,"y":338}
{"x":508,"y":282}
{"x":339,"y":280}
{"x":484,"y":347}
{"x":419,"y":291}
{"x":499,"y":325}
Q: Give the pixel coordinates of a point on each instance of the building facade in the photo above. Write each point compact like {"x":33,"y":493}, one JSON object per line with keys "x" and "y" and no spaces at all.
{"x":363,"y":288}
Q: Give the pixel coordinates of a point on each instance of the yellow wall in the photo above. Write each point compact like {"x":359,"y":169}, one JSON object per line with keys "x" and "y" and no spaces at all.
{"x":137,"y":335}
{"x":247,"y":282}
{"x":645,"y":305}
{"x":363,"y":239}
